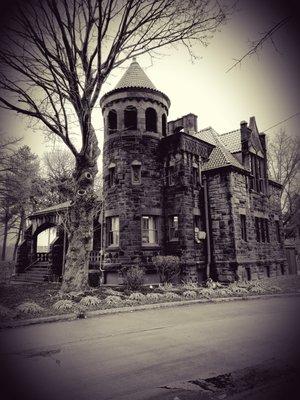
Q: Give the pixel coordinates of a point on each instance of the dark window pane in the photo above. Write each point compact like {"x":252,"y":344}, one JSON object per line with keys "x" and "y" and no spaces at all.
{"x":130,"y":118}
{"x":151,"y":120}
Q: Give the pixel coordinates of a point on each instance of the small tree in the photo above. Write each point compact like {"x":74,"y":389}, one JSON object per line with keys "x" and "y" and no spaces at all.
{"x":133,"y":278}
{"x":167,"y":267}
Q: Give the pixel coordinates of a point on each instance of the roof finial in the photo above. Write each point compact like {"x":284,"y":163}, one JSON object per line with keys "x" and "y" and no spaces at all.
{"x":134,"y":59}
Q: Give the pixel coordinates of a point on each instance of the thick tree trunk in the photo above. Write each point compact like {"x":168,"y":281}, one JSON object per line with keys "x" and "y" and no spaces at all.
{"x":80,"y":219}
{"x":20,"y":230}
{"x":5,"y":233}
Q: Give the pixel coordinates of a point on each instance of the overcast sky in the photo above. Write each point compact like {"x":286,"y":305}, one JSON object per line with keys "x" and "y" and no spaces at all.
{"x":266,"y":85}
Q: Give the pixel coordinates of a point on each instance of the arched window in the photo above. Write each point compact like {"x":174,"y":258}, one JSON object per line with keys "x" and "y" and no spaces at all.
{"x":112,"y":121}
{"x":130,"y":117}
{"x":151,"y":120}
{"x":164,"y":125}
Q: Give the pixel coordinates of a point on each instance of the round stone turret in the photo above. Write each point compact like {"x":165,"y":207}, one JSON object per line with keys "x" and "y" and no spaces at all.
{"x":135,"y":120}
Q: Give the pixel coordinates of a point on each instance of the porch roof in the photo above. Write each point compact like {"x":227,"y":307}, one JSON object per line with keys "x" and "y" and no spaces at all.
{"x":52,"y":209}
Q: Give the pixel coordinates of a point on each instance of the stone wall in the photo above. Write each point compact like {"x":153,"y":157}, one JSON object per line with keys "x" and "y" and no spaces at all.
{"x":221,"y":225}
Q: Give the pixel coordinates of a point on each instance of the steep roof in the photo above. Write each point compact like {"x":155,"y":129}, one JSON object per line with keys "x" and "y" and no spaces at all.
{"x":232,"y":140}
{"x":135,"y":77}
{"x":255,"y":135}
{"x":220,"y":156}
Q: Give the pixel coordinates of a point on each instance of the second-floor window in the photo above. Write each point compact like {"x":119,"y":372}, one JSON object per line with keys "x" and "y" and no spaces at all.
{"x":262,"y":229}
{"x":243,"y":227}
{"x":173,"y":227}
{"x":170,"y":175}
{"x":136,"y":173}
{"x":111,"y":175}
{"x":257,"y":177}
{"x":149,"y":229}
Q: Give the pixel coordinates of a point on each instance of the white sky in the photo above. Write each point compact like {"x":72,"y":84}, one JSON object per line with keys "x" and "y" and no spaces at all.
{"x":266,"y":86}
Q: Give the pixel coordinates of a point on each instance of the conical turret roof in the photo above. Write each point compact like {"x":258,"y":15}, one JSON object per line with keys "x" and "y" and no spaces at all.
{"x":135,"y":77}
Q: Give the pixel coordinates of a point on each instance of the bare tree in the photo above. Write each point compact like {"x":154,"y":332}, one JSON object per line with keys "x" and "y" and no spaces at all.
{"x":55,"y":57}
{"x":284,"y":165}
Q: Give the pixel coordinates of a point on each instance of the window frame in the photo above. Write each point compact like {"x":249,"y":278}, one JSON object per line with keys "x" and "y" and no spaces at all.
{"x":136,"y":166}
{"x":151,"y":230}
{"x":127,"y":111}
{"x":173,"y":228}
{"x":243,"y":223}
{"x":113,"y":231}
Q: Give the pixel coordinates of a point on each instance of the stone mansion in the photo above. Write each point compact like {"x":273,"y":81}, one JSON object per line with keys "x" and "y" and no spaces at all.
{"x":170,"y":189}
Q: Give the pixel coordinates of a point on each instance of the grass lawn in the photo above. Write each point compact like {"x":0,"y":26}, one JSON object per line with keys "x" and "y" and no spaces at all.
{"x":45,"y":295}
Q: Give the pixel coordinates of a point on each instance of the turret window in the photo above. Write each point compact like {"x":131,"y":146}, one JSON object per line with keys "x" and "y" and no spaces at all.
{"x":136,"y":172}
{"x":111,"y":174}
{"x":164,"y":125}
{"x":130,"y":118}
{"x":112,"y":121}
{"x":151,"y":120}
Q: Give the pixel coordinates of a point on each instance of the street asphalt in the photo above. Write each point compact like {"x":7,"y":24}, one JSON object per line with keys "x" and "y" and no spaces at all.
{"x":135,"y":356}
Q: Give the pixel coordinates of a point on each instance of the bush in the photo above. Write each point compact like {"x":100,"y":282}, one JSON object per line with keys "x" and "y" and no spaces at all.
{"x":5,"y":312}
{"x":189,"y":294}
{"x":166,"y":287}
{"x":113,"y":300}
{"x":90,"y":301}
{"x":29,"y":308}
{"x":189,"y":285}
{"x":63,"y":305}
{"x":133,"y":278}
{"x":137,"y":296}
{"x":167,"y":267}
{"x":153,"y":296}
{"x":171,"y":296}
{"x":111,"y":292}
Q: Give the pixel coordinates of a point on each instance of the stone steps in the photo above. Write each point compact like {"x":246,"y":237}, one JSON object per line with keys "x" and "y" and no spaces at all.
{"x":36,"y":273}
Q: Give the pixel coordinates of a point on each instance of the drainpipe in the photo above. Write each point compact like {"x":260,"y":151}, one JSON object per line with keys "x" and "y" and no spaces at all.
{"x":64,"y":252}
{"x":208,"y":248}
{"x":101,"y":245}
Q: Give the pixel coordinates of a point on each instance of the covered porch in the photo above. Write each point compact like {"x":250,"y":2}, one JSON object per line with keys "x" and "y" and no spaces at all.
{"x":42,"y":252}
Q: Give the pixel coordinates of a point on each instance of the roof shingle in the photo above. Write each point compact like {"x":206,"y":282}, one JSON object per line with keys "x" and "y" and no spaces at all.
{"x":220,"y":156}
{"x":135,"y":77}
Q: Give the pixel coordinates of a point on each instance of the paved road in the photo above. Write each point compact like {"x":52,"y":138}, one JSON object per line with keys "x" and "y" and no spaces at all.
{"x":129,"y":356}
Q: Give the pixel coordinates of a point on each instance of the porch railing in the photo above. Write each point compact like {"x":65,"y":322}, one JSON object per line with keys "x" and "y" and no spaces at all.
{"x":42,"y":256}
{"x":94,"y":259}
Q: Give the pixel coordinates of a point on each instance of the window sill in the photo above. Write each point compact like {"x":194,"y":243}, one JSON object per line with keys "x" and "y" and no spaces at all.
{"x":150,"y":245}
{"x":113,"y":247}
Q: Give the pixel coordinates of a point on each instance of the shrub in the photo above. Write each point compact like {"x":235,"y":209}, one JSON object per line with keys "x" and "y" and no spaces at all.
{"x":137,"y":296}
{"x":153,"y":296}
{"x":111,"y":292}
{"x":63,"y":305}
{"x":167,"y":267}
{"x":89,"y":301}
{"x":113,"y":300}
{"x":133,"y":278}
{"x":29,"y":308}
{"x":189,"y":294}
{"x":171,"y":296}
{"x":166,"y":287}
{"x":235,"y":289}
{"x":189,"y":285}
{"x":4,"y":312}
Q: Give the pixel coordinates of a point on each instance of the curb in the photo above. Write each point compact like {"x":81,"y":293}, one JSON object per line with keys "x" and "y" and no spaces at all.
{"x":109,"y":311}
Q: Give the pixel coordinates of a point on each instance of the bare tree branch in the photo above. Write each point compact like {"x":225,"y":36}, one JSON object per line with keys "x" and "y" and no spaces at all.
{"x":258,"y":44}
